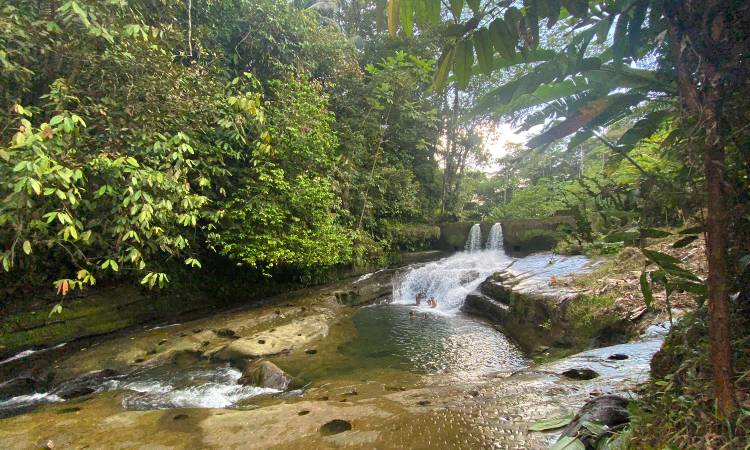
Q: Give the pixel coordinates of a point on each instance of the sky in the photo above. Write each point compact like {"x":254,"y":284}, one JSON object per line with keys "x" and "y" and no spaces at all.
{"x":498,"y":137}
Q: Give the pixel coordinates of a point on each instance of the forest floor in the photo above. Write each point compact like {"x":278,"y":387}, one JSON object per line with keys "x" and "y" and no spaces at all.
{"x":617,"y":278}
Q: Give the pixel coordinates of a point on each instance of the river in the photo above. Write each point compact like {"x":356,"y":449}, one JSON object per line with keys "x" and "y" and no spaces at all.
{"x":388,"y":374}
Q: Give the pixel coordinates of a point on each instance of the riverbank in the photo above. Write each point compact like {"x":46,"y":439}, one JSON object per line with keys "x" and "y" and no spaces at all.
{"x":551,"y":315}
{"x":99,"y":311}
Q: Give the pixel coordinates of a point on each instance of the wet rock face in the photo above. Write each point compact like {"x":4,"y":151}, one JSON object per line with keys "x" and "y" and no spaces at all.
{"x":485,"y":306}
{"x":580,"y":373}
{"x":85,"y":384}
{"x":17,"y":386}
{"x":495,"y":288}
{"x":265,"y":374}
{"x":609,"y":410}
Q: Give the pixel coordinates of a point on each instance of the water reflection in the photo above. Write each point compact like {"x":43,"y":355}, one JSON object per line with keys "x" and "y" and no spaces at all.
{"x":387,"y":336}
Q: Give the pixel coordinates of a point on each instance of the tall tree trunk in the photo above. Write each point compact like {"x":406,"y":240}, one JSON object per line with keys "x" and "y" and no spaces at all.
{"x":702,"y":94}
{"x":717,"y":230}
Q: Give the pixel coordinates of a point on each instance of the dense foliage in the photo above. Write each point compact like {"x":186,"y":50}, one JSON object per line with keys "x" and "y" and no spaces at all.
{"x":137,"y":135}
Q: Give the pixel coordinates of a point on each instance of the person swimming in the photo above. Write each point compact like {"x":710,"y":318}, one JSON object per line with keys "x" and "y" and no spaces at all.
{"x":412,"y":315}
{"x":419,"y":298}
{"x":432,"y":302}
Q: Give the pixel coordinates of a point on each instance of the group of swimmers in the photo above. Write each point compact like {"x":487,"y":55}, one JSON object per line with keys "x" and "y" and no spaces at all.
{"x":431,"y":302}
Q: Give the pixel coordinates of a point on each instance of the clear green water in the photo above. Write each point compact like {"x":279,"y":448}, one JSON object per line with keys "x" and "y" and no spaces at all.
{"x":388,"y":337}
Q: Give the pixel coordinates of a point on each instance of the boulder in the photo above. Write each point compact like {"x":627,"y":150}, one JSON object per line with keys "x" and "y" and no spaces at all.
{"x":608,"y":410}
{"x":482,"y":305}
{"x":495,"y":287}
{"x":17,"y":386}
{"x":265,"y":374}
{"x":580,"y":373}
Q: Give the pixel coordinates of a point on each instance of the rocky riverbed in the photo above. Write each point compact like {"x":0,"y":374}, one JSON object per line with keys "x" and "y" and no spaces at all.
{"x":311,"y":369}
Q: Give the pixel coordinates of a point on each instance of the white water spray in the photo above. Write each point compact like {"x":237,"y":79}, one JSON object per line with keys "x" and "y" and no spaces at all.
{"x":495,"y":241}
{"x":451,"y":279}
{"x":474,"y":241}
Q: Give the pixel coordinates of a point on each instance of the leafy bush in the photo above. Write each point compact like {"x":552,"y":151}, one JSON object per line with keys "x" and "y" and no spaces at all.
{"x":411,"y":236}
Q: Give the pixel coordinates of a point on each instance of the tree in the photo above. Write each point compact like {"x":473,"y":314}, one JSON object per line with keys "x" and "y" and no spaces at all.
{"x":700,"y":50}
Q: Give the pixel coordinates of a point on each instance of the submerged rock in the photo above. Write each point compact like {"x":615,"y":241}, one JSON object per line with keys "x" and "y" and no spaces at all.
{"x":265,"y":374}
{"x":17,"y":386}
{"x":618,"y":357}
{"x":85,"y":384}
{"x":580,"y":373}
{"x":608,"y":410}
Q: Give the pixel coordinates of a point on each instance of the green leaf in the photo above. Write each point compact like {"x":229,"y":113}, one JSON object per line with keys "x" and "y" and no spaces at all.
{"x":684,"y":242}
{"x":662,"y":259}
{"x":622,"y":236}
{"x":692,"y":287}
{"x":420,"y":13}
{"x":648,"y":295}
{"x":456,"y":7}
{"x":591,"y":114}
{"x":27,"y":247}
{"x":406,"y":13}
{"x":635,"y":25}
{"x":552,"y":423}
{"x":568,"y":443}
{"x":692,"y":230}
{"x":512,"y":19}
{"x":621,"y":42}
{"x":483,"y":46}
{"x":433,"y":11}
{"x":602,"y":29}
{"x":393,"y":10}
{"x":36,"y":186}
{"x":57,"y":309}
{"x":474,"y":5}
{"x":654,"y":233}
{"x":502,"y":39}
{"x":579,"y":138}
{"x":596,"y":428}
{"x":443,"y":68}
{"x":463,"y":63}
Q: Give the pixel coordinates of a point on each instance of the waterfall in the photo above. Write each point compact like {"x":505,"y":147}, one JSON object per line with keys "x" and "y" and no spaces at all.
{"x":495,"y":241}
{"x":474,"y":241}
{"x":449,"y":280}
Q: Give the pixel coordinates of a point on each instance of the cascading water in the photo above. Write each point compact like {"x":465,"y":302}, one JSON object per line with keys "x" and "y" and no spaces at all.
{"x":474,"y":241}
{"x":451,"y":279}
{"x":495,"y":241}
